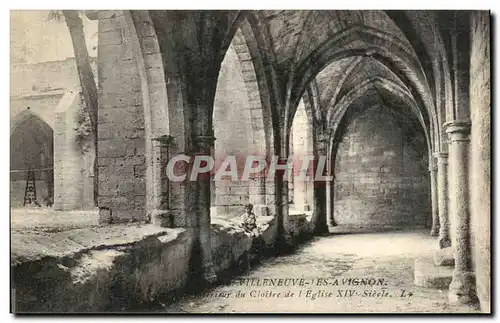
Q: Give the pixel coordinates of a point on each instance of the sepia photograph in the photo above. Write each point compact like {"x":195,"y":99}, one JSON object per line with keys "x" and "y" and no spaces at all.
{"x":250,"y":161}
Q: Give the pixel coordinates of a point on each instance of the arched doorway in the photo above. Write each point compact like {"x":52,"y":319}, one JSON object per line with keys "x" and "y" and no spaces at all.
{"x":301,"y":188}
{"x":31,"y":148}
{"x":239,"y":129}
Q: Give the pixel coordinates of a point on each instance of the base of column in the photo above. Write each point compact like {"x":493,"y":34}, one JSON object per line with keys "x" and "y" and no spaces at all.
{"x":444,"y":257}
{"x":209,"y":275}
{"x":444,"y":242}
{"x":161,"y":218}
{"x":428,"y":275}
{"x":285,"y":237}
{"x":463,"y":289}
{"x":105,"y":215}
{"x":321,"y":229}
{"x":434,"y":231}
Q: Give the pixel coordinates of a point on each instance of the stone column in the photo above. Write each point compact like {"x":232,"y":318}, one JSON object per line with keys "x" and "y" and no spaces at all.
{"x":320,"y":188}
{"x":285,"y":224}
{"x":329,"y":195}
{"x":257,"y":195}
{"x":282,"y":191}
{"x":205,"y":145}
{"x":462,"y":287}
{"x":442,"y":194}
{"x":291,"y":184}
{"x":434,"y":197}
{"x":160,"y":209}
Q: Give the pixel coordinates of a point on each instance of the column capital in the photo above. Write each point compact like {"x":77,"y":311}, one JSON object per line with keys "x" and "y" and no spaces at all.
{"x":458,"y":130}
{"x":164,"y":140}
{"x":323,"y":138}
{"x":204,"y":141}
{"x":282,"y":160}
{"x":440,"y":155}
{"x":204,"y":138}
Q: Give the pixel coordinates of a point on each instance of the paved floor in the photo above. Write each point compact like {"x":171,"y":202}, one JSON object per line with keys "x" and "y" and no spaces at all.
{"x":342,"y":273}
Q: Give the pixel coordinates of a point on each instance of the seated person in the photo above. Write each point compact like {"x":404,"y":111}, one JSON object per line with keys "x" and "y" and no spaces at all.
{"x":249,"y":224}
{"x":249,"y":221}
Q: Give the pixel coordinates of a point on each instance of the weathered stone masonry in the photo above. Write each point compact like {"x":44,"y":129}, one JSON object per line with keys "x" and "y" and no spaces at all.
{"x":380,"y":175}
{"x":480,"y":156}
{"x":158,"y":89}
{"x":52,"y":98}
{"x":121,"y":152}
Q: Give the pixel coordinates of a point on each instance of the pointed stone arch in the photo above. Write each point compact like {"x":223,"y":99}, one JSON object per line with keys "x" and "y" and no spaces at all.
{"x":365,"y":41}
{"x":31,"y":148}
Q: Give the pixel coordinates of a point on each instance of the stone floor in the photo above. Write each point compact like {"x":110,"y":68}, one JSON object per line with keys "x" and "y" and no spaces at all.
{"x":323,"y":263}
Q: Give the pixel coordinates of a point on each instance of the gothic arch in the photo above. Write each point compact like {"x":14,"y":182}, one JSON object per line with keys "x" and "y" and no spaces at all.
{"x":154,"y":98}
{"x":31,"y":147}
{"x":251,"y":57}
{"x":382,"y":84}
{"x":364,"y":41}
{"x":21,"y":117}
{"x":421,"y":29}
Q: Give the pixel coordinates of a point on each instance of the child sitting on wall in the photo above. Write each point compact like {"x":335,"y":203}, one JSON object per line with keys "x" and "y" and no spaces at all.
{"x":249,"y":223}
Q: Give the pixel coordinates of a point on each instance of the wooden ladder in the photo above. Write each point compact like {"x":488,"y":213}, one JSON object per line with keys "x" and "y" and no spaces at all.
{"x":30,"y":191}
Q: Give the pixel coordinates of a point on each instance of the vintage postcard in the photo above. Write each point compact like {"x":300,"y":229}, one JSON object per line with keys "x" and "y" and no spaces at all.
{"x":250,"y":161}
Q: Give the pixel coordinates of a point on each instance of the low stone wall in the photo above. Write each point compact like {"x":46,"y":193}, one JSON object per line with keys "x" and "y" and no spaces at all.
{"x":116,"y":268}
{"x":97,"y":269}
{"x":231,"y":245}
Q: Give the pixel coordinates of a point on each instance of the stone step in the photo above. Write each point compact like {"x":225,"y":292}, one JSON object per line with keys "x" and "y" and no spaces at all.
{"x":444,"y":257}
{"x":428,"y":275}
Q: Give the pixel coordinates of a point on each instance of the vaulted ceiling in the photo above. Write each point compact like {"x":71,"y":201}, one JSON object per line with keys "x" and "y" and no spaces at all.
{"x":337,"y":50}
{"x":342,"y":54}
{"x":298,"y":39}
{"x":296,"y":33}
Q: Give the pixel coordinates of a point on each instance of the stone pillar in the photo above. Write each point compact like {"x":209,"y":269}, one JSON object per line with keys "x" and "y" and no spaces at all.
{"x":291,"y":184}
{"x":462,"y":287}
{"x":282,"y":189}
{"x":205,"y":146}
{"x":329,"y":195}
{"x":160,"y":209}
{"x":285,"y":227}
{"x":434,"y":197}
{"x":442,"y":194}
{"x":213,"y":189}
{"x":257,"y":195}
{"x":67,"y":160}
{"x":320,"y":188}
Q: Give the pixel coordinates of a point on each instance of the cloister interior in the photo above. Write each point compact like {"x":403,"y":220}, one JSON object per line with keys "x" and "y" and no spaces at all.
{"x":397,"y":103}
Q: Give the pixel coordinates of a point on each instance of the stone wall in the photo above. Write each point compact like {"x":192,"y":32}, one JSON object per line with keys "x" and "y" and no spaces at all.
{"x":381,"y":178}
{"x":121,"y":137}
{"x":119,"y":267}
{"x":73,"y":158}
{"x":45,"y":77}
{"x":41,"y":86}
{"x":98,"y":269}
{"x":42,"y":90}
{"x":480,"y":157}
